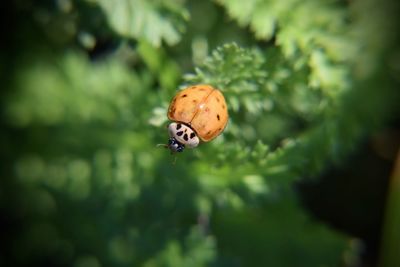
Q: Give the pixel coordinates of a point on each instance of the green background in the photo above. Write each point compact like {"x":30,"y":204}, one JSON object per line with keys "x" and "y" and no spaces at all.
{"x":298,"y":178}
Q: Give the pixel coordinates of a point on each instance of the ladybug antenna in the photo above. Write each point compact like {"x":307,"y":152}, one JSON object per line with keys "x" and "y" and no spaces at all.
{"x":172,"y":152}
{"x":173,"y":145}
{"x":163,"y":145}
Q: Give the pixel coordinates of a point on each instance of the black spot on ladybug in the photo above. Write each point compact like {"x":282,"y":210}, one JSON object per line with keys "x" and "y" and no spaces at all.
{"x":192,"y":135}
{"x":179,"y":133}
{"x":178,"y":126}
{"x":186,"y":137}
{"x":218,"y":99}
{"x":218,"y":117}
{"x":223,"y":106}
{"x":209,"y":132}
{"x":219,"y":129}
{"x":185,"y":95}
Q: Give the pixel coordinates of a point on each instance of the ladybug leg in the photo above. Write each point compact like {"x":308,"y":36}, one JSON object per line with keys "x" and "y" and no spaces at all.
{"x":174,"y":161}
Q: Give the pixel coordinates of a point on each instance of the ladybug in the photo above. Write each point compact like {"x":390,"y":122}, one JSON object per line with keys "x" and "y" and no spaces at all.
{"x":198,"y":112}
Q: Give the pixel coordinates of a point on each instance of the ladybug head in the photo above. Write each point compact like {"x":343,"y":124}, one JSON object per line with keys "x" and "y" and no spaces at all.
{"x":174,"y":145}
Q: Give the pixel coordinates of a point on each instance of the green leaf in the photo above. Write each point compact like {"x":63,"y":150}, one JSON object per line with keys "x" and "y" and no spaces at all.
{"x":300,"y":36}
{"x":153,"y":21}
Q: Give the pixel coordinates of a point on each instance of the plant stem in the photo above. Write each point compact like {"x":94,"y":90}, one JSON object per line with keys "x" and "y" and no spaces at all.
{"x":390,"y":245}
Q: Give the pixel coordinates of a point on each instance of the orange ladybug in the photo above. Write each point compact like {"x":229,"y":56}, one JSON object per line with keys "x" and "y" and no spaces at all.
{"x":198,"y":112}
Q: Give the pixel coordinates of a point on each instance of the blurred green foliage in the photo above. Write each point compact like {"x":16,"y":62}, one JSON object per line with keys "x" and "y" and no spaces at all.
{"x":86,"y":85}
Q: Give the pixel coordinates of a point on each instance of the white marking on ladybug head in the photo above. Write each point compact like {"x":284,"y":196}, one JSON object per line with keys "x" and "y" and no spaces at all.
{"x":183,"y":134}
